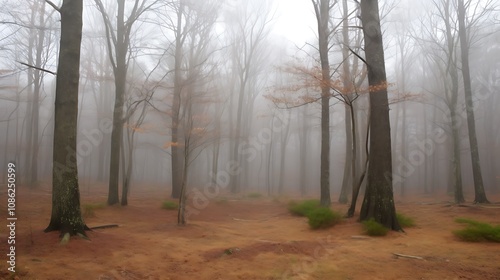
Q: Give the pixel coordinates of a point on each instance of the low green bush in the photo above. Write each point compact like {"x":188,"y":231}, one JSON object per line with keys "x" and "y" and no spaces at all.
{"x":374,"y":228}
{"x":169,"y":205}
{"x":477,"y":231}
{"x":304,"y":207}
{"x":323,"y":218}
{"x":405,"y":221}
{"x":88,"y":210}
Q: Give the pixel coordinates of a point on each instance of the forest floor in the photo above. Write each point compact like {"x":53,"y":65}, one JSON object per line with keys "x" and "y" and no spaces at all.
{"x":238,"y":237}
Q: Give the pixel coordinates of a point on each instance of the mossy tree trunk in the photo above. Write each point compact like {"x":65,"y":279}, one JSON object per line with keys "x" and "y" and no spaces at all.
{"x":66,"y":214}
{"x":378,"y":202}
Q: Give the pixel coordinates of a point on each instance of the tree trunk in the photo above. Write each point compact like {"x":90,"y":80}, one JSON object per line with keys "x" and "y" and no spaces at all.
{"x":28,"y":121}
{"x":456,"y":162}
{"x":66,"y":214}
{"x":303,"y":152}
{"x":38,"y":80}
{"x":175,"y":148}
{"x":284,"y":142}
{"x":346,"y":80}
{"x":452,"y":102}
{"x":379,"y":199}
{"x":480,"y":195}
{"x":120,"y":72}
{"x":322,"y":17}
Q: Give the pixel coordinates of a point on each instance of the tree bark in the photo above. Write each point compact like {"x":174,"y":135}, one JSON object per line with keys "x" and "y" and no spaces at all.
{"x":66,"y":214}
{"x":379,"y":199}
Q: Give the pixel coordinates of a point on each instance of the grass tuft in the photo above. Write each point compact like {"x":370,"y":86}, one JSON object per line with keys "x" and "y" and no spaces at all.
{"x":169,"y":205}
{"x":303,"y":208}
{"x":374,"y":228}
{"x":405,"y":221}
{"x":323,"y":217}
{"x":254,"y":195}
{"x":477,"y":231}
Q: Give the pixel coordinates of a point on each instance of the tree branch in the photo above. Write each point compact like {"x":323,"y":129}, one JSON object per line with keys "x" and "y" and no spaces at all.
{"x":53,"y":5}
{"x":38,"y":68}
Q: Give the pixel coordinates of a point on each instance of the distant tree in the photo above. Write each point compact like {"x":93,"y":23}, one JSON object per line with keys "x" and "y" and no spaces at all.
{"x":118,"y":37}
{"x":378,"y":202}
{"x":248,"y":26}
{"x":66,"y":214}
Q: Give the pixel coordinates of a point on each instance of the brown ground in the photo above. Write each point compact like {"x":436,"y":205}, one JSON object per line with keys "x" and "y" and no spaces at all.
{"x":245,"y":238}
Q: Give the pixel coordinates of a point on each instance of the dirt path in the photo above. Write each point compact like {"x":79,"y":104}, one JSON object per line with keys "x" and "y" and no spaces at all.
{"x":246,"y":239}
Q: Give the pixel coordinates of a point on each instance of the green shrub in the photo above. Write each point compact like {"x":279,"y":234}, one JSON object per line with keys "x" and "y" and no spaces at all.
{"x":254,"y":195}
{"x":88,"y":210}
{"x":221,"y":200}
{"x":323,"y":218}
{"x":304,"y":207}
{"x":477,"y":231}
{"x":405,"y":221}
{"x":374,"y":228}
{"x":169,"y":205}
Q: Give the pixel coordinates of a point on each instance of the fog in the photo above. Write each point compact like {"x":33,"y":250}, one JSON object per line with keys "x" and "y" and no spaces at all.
{"x":236,"y":82}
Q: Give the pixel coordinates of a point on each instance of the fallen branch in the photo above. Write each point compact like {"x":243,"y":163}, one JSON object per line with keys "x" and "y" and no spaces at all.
{"x":407,"y":256}
{"x":104,"y":226}
{"x":267,"y":241}
{"x":360,"y":237}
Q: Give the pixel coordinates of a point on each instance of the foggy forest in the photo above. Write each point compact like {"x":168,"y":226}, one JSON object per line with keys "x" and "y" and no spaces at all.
{"x":258,"y":139}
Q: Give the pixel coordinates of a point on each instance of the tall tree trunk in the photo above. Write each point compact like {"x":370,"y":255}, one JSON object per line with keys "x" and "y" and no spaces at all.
{"x":36,"y":98}
{"x":347,"y":177}
{"x":120,"y":72}
{"x":480,"y":195}
{"x":303,"y":152}
{"x":30,"y":104}
{"x":175,"y":148}
{"x":66,"y":214}
{"x":456,"y":161}
{"x":284,"y":142}
{"x":346,"y":80}
{"x":235,"y":156}
{"x":322,"y":16}
{"x":379,"y":199}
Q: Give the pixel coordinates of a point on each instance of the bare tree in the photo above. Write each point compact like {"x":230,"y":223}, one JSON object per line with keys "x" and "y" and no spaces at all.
{"x":322,"y":10}
{"x":480,"y":195}
{"x":118,"y":37}
{"x":379,"y":199}
{"x":66,"y":214}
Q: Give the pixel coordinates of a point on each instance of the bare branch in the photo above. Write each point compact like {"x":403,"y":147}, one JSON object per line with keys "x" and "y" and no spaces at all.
{"x":356,"y":54}
{"x":53,"y":5}
{"x":38,"y":68}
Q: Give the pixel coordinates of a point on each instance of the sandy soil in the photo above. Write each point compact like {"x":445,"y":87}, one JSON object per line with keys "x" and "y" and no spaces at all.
{"x":244,"y":238}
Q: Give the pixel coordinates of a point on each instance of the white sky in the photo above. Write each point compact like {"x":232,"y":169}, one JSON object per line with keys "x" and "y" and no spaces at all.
{"x":295,"y":21}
